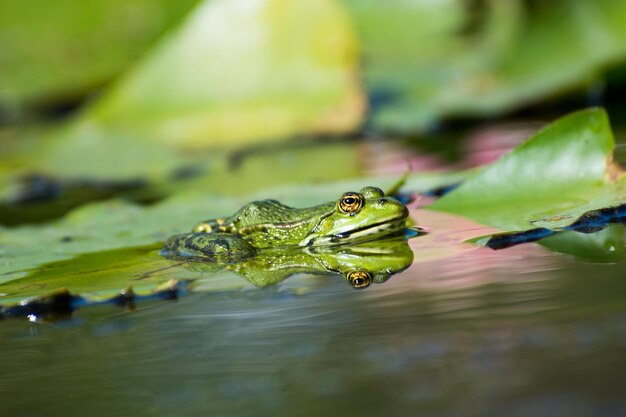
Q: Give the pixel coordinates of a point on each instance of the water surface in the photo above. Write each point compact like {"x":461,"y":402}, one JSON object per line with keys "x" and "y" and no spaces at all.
{"x":517,"y":332}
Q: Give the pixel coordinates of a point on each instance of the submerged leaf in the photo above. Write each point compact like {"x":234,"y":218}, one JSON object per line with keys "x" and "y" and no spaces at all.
{"x":603,"y":246}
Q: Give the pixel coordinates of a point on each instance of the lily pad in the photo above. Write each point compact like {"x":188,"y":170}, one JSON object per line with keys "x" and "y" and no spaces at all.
{"x":101,"y":273}
{"x":100,"y":38}
{"x":563,"y":171}
{"x":234,"y":73}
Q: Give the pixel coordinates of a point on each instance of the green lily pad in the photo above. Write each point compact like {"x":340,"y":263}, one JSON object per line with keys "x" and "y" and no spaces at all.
{"x":101,"y":273}
{"x":60,"y":50}
{"x":560,"y":173}
{"x":295,"y":73}
{"x":284,"y":68}
{"x":232,"y":74}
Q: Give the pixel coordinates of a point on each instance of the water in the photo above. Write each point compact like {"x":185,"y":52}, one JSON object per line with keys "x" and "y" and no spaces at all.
{"x":517,"y":332}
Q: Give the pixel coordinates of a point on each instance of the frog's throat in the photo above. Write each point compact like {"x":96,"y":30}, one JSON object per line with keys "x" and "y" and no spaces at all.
{"x":378,"y":229}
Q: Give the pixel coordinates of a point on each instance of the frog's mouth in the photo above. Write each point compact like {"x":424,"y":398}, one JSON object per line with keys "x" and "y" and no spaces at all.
{"x":364,"y":233}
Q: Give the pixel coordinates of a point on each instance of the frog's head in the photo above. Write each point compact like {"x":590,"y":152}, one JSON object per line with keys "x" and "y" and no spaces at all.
{"x":357,"y":217}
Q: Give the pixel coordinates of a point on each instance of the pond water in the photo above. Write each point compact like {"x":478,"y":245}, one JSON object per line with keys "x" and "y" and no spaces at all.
{"x":464,"y":331}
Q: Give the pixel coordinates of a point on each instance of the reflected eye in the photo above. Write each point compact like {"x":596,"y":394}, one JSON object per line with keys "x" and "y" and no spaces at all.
{"x":359,"y":279}
{"x":350,"y":203}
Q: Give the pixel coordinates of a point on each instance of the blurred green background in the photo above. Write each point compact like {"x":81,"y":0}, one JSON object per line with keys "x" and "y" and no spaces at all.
{"x":163,"y":86}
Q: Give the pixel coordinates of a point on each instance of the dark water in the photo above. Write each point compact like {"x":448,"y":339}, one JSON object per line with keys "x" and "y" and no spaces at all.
{"x":517,"y":332}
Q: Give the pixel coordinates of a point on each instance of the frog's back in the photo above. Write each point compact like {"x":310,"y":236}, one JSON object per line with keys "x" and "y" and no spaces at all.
{"x":272,"y":212}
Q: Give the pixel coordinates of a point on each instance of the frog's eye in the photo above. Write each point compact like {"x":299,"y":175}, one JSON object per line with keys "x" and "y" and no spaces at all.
{"x":350,"y":203}
{"x":359,"y":279}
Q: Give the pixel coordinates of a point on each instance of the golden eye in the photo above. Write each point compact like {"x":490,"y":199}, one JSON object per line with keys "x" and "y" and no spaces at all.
{"x":359,"y":279}
{"x":350,"y":203}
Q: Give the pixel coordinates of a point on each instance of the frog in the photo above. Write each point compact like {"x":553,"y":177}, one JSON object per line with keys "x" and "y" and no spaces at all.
{"x":354,"y":217}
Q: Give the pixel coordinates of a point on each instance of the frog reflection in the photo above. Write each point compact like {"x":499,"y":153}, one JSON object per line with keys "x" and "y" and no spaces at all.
{"x":360,"y":264}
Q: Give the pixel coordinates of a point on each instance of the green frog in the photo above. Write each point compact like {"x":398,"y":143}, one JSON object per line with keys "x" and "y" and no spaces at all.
{"x":354,"y":217}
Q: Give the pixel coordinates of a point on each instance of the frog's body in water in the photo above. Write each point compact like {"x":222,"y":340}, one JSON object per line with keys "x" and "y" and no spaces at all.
{"x":354,"y":217}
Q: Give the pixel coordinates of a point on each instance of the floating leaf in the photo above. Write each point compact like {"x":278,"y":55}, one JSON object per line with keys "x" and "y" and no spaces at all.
{"x":563,"y":171}
{"x":236,"y":72}
{"x":60,"y":50}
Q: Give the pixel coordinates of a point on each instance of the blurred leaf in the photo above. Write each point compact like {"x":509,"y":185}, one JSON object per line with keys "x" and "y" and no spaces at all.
{"x":284,"y":67}
{"x":61,"y":49}
{"x":236,"y":72}
{"x":456,"y":58}
{"x":560,"y":173}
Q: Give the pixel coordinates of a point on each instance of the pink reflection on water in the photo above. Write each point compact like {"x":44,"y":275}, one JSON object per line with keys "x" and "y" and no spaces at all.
{"x":444,"y":261}
{"x":484,"y":146}
{"x":443,"y":258}
{"x":387,"y":158}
